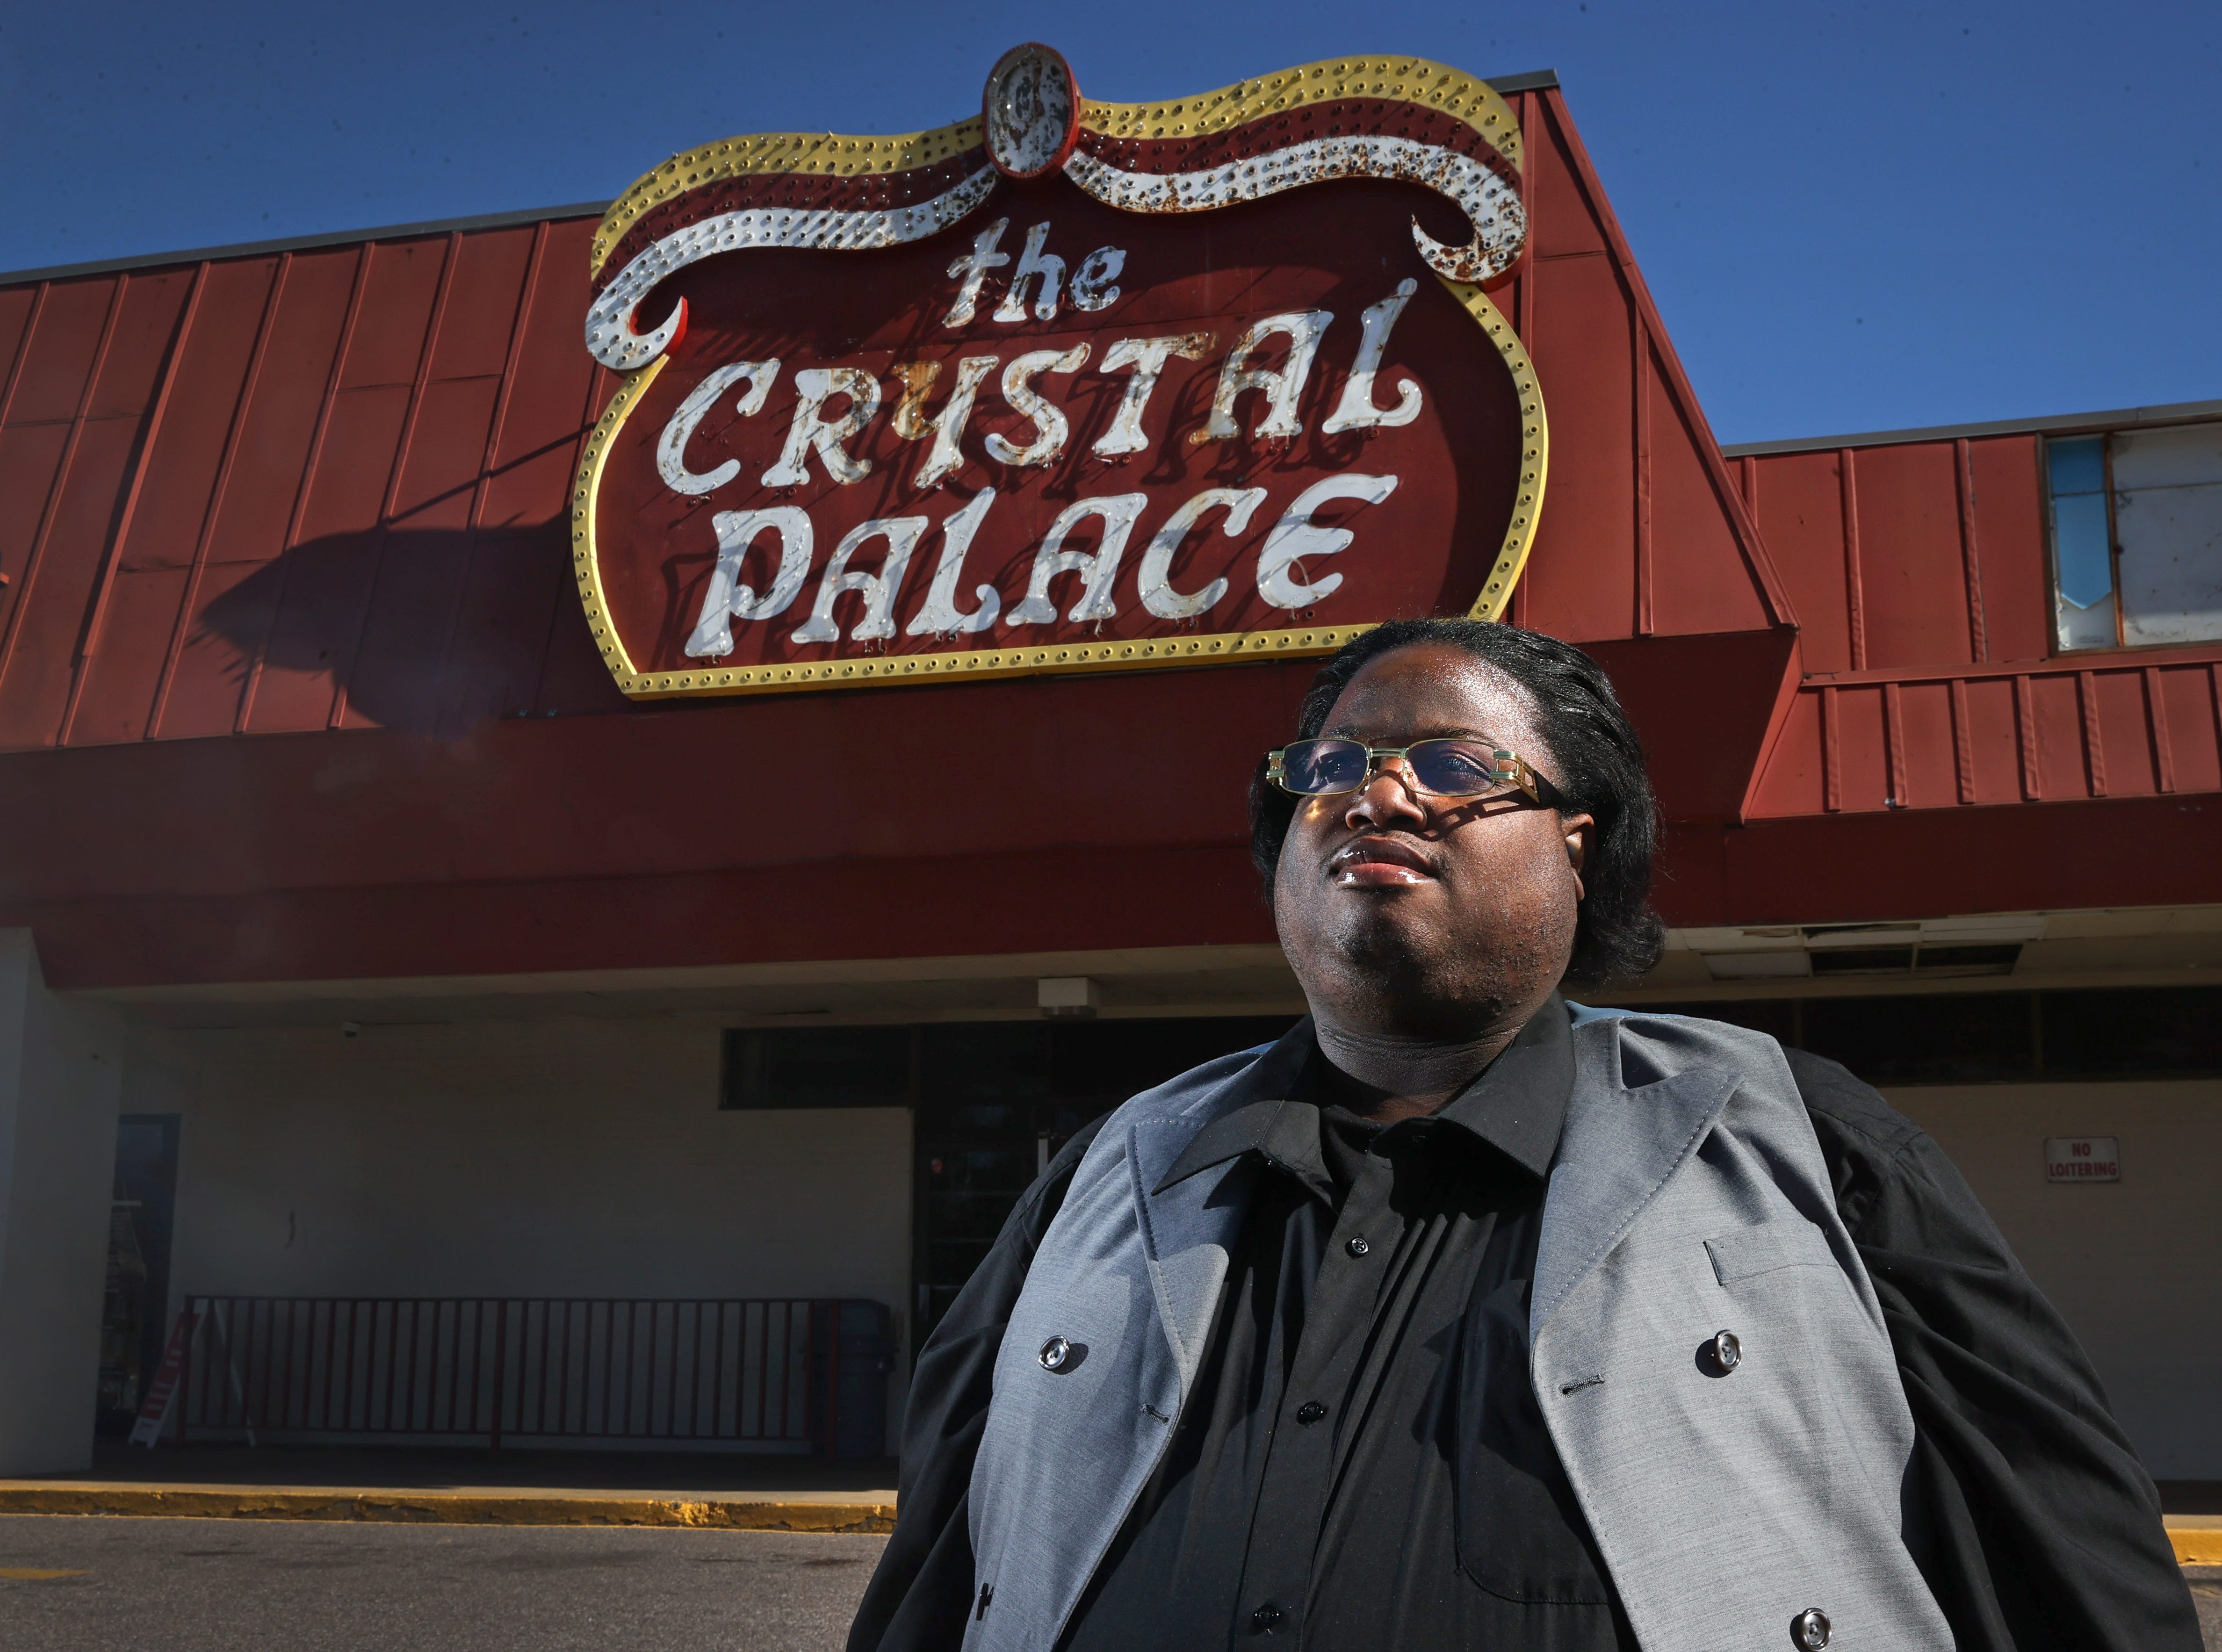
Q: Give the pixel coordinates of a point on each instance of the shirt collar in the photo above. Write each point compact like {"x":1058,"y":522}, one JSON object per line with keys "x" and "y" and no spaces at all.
{"x":1261,"y":1118}
{"x":1518,"y":1104}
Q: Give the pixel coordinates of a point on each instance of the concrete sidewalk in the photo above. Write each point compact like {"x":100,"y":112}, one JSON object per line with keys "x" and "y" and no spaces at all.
{"x":2193,"y":1511}
{"x":2196,"y":1537}
{"x":732,"y":1492}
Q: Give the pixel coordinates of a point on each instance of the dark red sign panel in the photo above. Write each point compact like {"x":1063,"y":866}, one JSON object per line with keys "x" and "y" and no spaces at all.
{"x":1111,"y":386}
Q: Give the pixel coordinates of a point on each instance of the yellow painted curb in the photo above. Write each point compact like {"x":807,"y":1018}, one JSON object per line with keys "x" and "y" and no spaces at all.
{"x":2196,"y":1545}
{"x":422,"y":1507}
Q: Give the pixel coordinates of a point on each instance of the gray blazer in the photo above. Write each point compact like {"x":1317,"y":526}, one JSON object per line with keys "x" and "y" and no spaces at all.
{"x":1689,"y":1197}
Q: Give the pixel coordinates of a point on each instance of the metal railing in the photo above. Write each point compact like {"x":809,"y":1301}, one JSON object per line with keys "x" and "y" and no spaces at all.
{"x":710,"y":1372}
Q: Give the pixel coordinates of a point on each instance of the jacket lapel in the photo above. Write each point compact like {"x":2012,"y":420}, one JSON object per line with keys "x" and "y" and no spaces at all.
{"x":1187,"y":1231}
{"x":1620,"y":1147}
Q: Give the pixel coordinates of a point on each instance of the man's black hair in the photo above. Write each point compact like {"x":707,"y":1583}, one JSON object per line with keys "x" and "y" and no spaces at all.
{"x":1594,"y":759}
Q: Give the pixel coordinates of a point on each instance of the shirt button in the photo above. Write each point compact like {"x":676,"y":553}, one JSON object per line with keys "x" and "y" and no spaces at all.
{"x":1722,"y":1354}
{"x":1808,"y":1631}
{"x":1267,"y":1617}
{"x":1310,"y":1412}
{"x":1054,"y":1353}
{"x":1358,"y":1246}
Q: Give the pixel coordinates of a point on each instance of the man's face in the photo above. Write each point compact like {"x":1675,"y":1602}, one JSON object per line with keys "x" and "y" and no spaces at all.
{"x":1430,"y":917}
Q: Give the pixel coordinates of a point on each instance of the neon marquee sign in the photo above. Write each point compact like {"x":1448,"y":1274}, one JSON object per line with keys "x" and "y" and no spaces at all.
{"x":1073,"y":386}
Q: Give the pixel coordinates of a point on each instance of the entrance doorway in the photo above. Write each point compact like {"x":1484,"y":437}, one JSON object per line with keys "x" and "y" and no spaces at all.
{"x":134,"y":1307}
{"x":991,"y":1101}
{"x":997,"y":1099}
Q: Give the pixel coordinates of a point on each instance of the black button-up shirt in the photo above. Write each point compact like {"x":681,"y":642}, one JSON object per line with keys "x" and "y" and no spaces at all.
{"x":1339,"y":1478}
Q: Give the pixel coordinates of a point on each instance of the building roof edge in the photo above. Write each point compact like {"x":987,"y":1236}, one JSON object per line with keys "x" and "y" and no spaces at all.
{"x":2180,"y":413}
{"x":301,"y":243}
{"x":1504,"y":84}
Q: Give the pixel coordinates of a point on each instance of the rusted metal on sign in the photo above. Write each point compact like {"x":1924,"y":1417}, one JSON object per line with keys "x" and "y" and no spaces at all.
{"x":1071,"y":386}
{"x":1031,"y":115}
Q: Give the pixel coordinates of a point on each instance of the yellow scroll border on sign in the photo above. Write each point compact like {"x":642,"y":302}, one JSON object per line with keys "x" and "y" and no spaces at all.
{"x":1473,"y":102}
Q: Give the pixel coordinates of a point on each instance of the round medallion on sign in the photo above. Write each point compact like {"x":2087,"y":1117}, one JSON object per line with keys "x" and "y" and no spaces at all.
{"x":1032,"y":111}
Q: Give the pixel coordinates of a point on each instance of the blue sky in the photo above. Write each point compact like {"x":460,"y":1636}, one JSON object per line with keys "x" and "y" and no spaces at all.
{"x":1853,"y":217}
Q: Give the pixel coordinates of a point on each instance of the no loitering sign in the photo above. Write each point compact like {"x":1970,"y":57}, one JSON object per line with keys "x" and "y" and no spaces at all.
{"x":2083,"y":1159}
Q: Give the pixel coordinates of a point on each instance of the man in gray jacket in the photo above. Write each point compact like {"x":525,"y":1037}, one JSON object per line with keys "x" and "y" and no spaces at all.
{"x":1466,"y":1316}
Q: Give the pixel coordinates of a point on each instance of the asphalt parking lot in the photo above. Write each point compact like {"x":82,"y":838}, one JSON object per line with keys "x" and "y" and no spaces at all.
{"x":76,"y":1584}
{"x":2207,"y":1589}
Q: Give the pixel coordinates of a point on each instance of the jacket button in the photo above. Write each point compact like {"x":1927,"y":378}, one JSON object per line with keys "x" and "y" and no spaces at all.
{"x":1809,"y":1630}
{"x":1724,"y":1354}
{"x":1310,"y":1411}
{"x":1265,"y":1619}
{"x":1054,"y":1353}
{"x":1358,"y":1246}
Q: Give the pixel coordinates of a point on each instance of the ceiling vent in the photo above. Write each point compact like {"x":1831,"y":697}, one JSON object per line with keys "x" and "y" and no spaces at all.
{"x":1933,"y":949}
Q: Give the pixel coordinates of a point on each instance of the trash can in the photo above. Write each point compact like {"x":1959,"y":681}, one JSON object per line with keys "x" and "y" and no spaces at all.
{"x":850,"y":1381}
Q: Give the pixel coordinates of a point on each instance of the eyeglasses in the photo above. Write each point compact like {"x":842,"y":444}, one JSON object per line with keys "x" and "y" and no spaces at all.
{"x":1446,"y":767}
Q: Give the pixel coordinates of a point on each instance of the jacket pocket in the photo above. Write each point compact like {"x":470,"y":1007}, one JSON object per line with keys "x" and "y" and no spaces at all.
{"x":1521,"y":1533}
{"x":1786,"y":1242}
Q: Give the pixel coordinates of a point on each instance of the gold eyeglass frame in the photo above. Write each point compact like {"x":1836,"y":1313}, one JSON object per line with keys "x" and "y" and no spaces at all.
{"x":1508,"y":766}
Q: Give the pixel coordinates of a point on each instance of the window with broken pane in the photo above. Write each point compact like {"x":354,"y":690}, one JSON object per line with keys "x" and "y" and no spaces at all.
{"x":2136,"y":537}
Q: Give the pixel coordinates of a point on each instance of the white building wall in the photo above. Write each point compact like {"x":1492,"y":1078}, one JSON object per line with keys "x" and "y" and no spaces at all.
{"x":2129,"y":1264}
{"x":60,"y":1070}
{"x":560,"y":1157}
{"x":580,"y":1157}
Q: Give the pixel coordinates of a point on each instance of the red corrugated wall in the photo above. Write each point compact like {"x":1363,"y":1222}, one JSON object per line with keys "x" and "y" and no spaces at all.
{"x":1918,"y":573}
{"x":319,"y":489}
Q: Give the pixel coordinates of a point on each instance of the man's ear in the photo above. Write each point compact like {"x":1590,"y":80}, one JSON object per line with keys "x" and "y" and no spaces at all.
{"x":1579,"y":832}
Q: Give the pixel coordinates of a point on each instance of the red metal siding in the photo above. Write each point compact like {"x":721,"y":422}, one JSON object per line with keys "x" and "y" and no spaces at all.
{"x":2127,"y":726}
{"x":347,"y":511}
{"x":168,"y":494}
{"x":1699,"y":574}
{"x":1920,"y":576}
{"x":1588,"y":590}
{"x":17,"y":304}
{"x":2189,"y":714}
{"x":1913,"y":589}
{"x":1643,"y":532}
{"x":279,"y":422}
{"x":2009,"y":525}
{"x":1795,"y":779}
{"x":1992,"y":764}
{"x":1932,"y":863}
{"x":29,"y":458}
{"x":1798,"y":500}
{"x":1917,"y":555}
{"x":66,"y":564}
{"x":68,"y":326}
{"x":398,"y":308}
